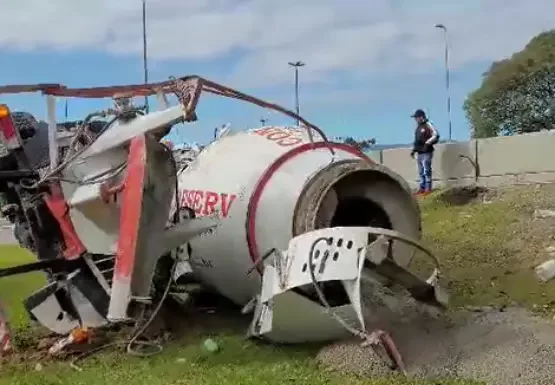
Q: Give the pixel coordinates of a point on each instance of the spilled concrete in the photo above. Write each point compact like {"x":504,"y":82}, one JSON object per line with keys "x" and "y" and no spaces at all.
{"x":497,"y":347}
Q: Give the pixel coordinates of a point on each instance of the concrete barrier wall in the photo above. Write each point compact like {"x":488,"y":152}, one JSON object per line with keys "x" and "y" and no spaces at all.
{"x":525,"y":158}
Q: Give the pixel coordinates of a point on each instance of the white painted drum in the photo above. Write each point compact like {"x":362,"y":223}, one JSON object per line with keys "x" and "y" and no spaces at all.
{"x":252,"y":180}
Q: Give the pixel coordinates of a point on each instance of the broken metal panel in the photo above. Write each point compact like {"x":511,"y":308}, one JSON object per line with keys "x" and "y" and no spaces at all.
{"x":88,"y":314}
{"x":159,"y":189}
{"x":335,"y":257}
{"x":353,"y":290}
{"x":96,"y":220}
{"x":46,"y":309}
{"x":324,"y":256}
{"x":121,"y":133}
{"x":130,"y":224}
{"x":177,"y":235}
{"x":274,"y":321}
{"x":61,"y":306}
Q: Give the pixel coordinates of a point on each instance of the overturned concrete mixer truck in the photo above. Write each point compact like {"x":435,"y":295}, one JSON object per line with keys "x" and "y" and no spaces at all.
{"x":279,"y":220}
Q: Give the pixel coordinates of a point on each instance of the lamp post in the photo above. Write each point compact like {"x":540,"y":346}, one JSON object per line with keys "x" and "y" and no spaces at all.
{"x":263,"y":121}
{"x":297,"y":65}
{"x":447,"y":77}
{"x":145,"y":65}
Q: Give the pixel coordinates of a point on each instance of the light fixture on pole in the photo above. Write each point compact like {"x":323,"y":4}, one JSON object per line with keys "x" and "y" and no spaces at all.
{"x":447,"y":77}
{"x":297,"y":65}
{"x":263,"y":121}
{"x":145,"y":65}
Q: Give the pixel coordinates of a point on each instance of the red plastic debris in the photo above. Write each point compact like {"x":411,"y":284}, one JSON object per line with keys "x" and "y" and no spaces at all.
{"x":5,"y":338}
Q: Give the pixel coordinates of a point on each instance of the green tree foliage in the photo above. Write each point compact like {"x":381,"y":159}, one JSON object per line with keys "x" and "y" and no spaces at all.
{"x":362,"y":145}
{"x":517,"y":94}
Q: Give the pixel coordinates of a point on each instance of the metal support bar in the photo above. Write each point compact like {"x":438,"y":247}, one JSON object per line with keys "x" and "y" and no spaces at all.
{"x":98,"y":274}
{"x":52,"y":131}
{"x":162,"y":99}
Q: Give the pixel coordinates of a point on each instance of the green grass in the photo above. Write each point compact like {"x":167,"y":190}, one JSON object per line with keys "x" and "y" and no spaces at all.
{"x":13,"y":290}
{"x":488,"y":251}
{"x":238,"y":362}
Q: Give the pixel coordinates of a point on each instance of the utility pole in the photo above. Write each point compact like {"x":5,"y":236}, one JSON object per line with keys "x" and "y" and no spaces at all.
{"x":447,"y":78}
{"x":145,"y":64}
{"x":296,"y":65}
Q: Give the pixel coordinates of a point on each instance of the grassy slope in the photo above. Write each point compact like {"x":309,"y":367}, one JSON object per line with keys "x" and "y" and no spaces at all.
{"x":488,"y":251}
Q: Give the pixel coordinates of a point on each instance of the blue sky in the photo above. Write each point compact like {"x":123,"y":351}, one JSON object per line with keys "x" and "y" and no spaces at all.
{"x":369,"y":64}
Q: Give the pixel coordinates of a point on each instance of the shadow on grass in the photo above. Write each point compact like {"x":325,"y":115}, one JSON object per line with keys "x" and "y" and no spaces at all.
{"x":14,"y":289}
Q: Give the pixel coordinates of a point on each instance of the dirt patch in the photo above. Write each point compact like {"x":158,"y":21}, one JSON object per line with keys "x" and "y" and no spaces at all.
{"x":459,"y":196}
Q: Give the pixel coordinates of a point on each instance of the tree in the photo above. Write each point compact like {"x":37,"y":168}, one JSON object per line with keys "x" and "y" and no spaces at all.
{"x":362,"y":145}
{"x":517,"y":95}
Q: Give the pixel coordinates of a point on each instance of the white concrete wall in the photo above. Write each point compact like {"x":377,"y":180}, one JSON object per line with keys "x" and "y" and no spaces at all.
{"x":501,"y":160}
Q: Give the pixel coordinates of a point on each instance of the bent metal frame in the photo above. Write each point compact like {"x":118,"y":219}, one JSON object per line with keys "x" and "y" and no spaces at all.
{"x":187,"y":89}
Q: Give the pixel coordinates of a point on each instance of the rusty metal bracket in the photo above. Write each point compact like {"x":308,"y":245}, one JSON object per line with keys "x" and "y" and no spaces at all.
{"x":188,"y":92}
{"x":383,"y":345}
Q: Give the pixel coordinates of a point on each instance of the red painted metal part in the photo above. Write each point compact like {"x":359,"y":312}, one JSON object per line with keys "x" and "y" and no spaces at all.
{"x":73,"y":247}
{"x":384,"y":340}
{"x":5,"y":337}
{"x":107,"y":190}
{"x":130,"y":215}
{"x":267,"y":176}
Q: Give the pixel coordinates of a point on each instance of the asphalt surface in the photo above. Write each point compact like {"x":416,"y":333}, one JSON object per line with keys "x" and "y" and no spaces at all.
{"x":6,"y":234}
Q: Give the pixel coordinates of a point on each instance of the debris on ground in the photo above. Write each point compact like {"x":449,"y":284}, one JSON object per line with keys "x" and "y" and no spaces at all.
{"x":210,"y":345}
{"x":539,"y":214}
{"x":77,"y":336}
{"x":546,"y":270}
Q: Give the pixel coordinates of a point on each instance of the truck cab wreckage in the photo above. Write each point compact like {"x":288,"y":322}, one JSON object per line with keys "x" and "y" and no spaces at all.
{"x":279,"y":220}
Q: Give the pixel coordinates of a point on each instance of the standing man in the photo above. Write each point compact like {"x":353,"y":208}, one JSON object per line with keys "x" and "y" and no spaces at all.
{"x":425,"y":137}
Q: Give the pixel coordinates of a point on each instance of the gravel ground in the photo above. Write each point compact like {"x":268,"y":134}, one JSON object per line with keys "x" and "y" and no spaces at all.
{"x":499,"y":347}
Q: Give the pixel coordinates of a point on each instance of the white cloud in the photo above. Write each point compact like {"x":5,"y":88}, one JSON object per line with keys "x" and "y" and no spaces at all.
{"x":359,"y":37}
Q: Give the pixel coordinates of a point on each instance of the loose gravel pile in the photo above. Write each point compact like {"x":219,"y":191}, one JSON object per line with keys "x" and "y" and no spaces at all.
{"x":498,"y":347}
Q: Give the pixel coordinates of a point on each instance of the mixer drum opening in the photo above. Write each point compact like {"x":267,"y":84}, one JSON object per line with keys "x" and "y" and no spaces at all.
{"x":359,"y":211}
{"x":353,"y":193}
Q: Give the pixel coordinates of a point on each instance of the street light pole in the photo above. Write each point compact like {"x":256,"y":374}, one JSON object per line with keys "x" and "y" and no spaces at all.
{"x":447,"y":78}
{"x":145,"y":65}
{"x":296,"y":65}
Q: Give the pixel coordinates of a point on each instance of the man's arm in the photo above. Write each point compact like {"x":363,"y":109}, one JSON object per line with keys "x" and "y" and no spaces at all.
{"x":434,"y":133}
